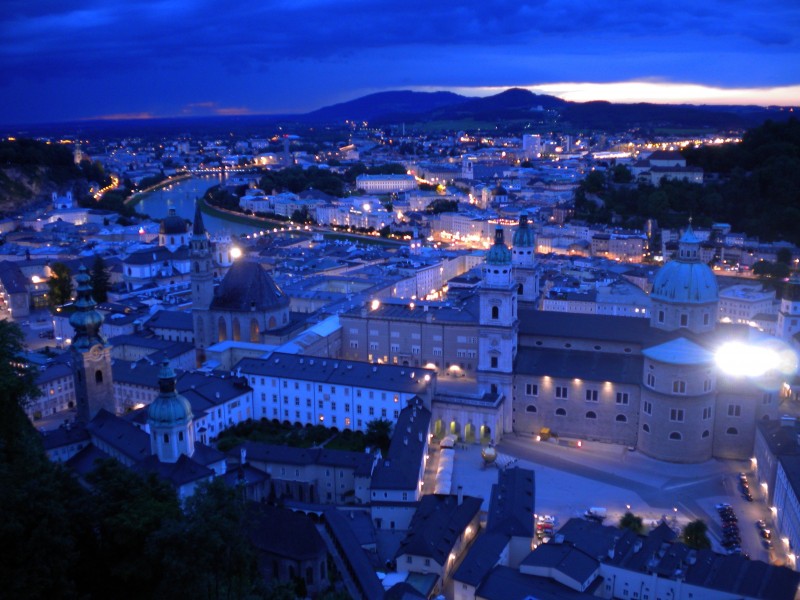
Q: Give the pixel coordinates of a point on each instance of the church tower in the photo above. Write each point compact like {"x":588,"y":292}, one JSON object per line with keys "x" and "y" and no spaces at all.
{"x":91,"y":355}
{"x":170,"y":419}
{"x":202,"y":278}
{"x":497,"y":341}
{"x":523,"y":256}
{"x":789,"y":312}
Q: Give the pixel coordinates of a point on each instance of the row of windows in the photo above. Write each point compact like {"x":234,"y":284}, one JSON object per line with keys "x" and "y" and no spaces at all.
{"x":562,"y":412}
{"x":562,"y":393}
{"x":684,"y":318}
{"x":676,"y":435}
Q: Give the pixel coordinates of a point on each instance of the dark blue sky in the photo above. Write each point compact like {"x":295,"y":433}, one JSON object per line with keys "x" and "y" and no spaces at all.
{"x":63,"y":60}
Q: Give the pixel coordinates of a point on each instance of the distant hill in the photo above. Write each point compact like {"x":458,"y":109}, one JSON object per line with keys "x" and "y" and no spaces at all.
{"x":519,"y":104}
{"x":383,"y":105}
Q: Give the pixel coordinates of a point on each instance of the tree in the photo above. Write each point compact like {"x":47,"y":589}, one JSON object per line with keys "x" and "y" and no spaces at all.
{"x":379,"y":433}
{"x":695,"y":535}
{"x":621,"y":174}
{"x":60,"y":284}
{"x":100,"y":279}
{"x":632,"y":522}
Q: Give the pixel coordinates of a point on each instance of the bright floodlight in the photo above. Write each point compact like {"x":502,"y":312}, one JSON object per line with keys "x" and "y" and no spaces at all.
{"x":375,"y":304}
{"x":236,"y":253}
{"x":736,"y":358}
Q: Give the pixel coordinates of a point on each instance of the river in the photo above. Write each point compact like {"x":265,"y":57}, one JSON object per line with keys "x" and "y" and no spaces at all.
{"x":181,"y":196}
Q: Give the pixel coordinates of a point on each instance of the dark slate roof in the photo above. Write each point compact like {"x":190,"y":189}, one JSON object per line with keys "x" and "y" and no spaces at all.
{"x":244,"y":474}
{"x":171,"y":319}
{"x":589,"y":366}
{"x":513,"y":503}
{"x":141,"y":372}
{"x":434,"y":312}
{"x":482,"y":557}
{"x":361,"y":568}
{"x":52,"y":372}
{"x":125,"y":437}
{"x":63,"y":436}
{"x":505,"y":583}
{"x":184,"y":470}
{"x":147,"y":256}
{"x":780,"y":435}
{"x":564,"y":558}
{"x":85,"y":461}
{"x":272,"y":453}
{"x":284,"y":532}
{"x":247,"y":286}
{"x":400,"y":469}
{"x":403,"y":591}
{"x":632,"y":330}
{"x":12,"y":278}
{"x":206,"y":455}
{"x":437,"y":525}
{"x":337,"y":372}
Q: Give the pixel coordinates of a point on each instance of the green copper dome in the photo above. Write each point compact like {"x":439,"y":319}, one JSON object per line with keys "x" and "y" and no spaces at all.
{"x":686,"y":279}
{"x":86,"y":321}
{"x":498,"y":254}
{"x":169,"y":409}
{"x":523,"y":236}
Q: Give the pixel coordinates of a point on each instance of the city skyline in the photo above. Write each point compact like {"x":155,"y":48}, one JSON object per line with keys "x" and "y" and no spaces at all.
{"x":184,"y":58}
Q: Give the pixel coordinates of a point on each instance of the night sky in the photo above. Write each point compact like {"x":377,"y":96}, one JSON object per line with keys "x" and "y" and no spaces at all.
{"x":63,"y":60}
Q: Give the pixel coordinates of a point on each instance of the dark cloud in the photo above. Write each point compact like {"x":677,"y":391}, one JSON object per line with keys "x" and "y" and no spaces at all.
{"x":372,"y":44}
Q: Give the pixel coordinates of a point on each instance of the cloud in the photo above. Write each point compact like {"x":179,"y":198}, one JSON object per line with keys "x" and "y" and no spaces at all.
{"x":159,"y":55}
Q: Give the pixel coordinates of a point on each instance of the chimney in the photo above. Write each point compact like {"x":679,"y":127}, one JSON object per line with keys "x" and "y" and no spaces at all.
{"x":460,"y":494}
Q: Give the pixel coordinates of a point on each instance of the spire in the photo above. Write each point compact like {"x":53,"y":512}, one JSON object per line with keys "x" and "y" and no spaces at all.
{"x":85,"y":320}
{"x":198,"y":228}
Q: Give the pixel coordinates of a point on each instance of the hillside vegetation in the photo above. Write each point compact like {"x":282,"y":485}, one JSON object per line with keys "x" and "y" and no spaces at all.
{"x":757,"y":190}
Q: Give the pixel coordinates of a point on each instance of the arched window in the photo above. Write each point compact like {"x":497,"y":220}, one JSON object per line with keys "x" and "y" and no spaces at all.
{"x":196,"y":267}
{"x":237,"y":330}
{"x":166,"y":438}
{"x":495,"y":312}
{"x":519,"y":289}
{"x":561,"y":412}
{"x":591,"y":415}
{"x":622,"y":419}
{"x":272,"y":323}
{"x":675,"y":436}
{"x":530,"y":408}
{"x":98,"y":376}
{"x":646,"y":428}
{"x":222,"y":330}
{"x":706,"y":433}
{"x":254,"y":332}
{"x":732,"y":431}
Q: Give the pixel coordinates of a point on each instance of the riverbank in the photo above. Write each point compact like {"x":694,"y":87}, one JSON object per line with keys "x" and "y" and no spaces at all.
{"x":236,"y":217}
{"x":136,"y":197}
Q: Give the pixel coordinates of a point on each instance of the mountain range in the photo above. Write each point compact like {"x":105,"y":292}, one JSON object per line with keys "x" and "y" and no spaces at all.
{"x":517,"y":104}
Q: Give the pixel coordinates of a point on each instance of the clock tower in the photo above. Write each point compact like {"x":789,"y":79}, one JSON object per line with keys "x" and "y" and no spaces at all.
{"x":91,"y":355}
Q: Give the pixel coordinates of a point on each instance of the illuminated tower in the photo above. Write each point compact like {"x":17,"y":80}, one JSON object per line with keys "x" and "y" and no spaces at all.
{"x":497,"y":340}
{"x":91,"y":355}
{"x":202,"y":278}
{"x":523,"y":256}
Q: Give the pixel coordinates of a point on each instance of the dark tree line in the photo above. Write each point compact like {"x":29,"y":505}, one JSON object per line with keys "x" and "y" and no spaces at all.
{"x":757,"y":191}
{"x":123,"y":536}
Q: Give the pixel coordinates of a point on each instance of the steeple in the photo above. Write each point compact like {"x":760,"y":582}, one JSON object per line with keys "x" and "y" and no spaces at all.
{"x":91,"y":355}
{"x":198,"y":228}
{"x":86,"y":321}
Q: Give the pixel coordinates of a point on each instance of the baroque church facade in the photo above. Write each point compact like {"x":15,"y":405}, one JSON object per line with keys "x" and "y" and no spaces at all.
{"x":506,"y":367}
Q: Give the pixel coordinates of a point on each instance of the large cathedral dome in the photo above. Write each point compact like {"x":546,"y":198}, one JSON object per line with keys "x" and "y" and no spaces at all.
{"x":248,"y":287}
{"x":686,"y":279}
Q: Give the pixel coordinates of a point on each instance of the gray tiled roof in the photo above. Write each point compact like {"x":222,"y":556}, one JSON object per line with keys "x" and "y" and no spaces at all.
{"x":436,"y":526}
{"x":400,"y":469}
{"x":336,"y":371}
{"x":121,"y":435}
{"x":589,"y":366}
{"x":505,"y":583}
{"x":482,"y":557}
{"x":513,"y":503}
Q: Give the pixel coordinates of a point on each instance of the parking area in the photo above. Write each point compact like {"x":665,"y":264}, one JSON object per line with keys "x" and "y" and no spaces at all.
{"x":570,"y":481}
